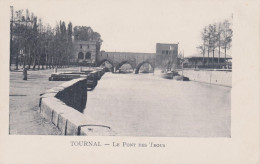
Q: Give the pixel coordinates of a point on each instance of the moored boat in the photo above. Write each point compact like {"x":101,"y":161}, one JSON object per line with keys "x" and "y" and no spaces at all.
{"x":167,"y":75}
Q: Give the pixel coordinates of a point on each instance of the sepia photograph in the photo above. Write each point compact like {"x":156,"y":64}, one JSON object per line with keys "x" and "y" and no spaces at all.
{"x":132,"y":75}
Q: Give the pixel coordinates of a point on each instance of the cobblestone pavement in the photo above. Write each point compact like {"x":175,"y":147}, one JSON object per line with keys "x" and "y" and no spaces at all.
{"x":24,"y":117}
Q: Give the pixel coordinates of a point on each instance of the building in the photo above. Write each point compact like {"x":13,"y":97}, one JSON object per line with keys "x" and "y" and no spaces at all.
{"x":85,"y":52}
{"x":88,"y":53}
{"x":166,"y":52}
{"x":198,"y":61}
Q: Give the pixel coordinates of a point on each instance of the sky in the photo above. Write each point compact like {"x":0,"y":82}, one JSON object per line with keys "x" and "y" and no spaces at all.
{"x":136,"y":25}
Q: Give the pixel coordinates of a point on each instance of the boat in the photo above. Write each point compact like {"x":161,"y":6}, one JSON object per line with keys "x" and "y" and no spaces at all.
{"x":181,"y":78}
{"x":168,"y":68}
{"x":167,"y":75}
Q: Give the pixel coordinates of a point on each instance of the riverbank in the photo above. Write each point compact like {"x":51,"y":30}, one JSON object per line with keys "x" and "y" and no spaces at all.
{"x":216,"y":77}
{"x":24,"y":117}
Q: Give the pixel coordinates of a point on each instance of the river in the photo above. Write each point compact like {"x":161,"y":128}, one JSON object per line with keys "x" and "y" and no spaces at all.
{"x":148,"y":105}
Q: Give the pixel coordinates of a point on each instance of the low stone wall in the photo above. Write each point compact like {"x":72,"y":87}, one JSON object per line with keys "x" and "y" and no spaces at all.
{"x":75,"y":94}
{"x":223,"y":78}
{"x":59,"y":103}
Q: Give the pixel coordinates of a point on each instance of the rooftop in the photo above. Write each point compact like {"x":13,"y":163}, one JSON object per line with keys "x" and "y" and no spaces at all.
{"x":127,"y":52}
{"x":167,"y":43}
{"x":222,"y":55}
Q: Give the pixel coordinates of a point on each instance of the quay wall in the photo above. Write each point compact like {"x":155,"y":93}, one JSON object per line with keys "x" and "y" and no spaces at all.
{"x":74,"y":95}
{"x":223,"y":78}
{"x":63,"y":106}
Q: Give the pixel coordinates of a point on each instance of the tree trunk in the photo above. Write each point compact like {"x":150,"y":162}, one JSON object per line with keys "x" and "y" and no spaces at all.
{"x":51,"y":62}
{"x":213,"y":58}
{"x":68,"y":61}
{"x":218,"y":53}
{"x":29,"y":60}
{"x":59,"y":62}
{"x":46,"y":62}
{"x":11,"y":53}
{"x":42,"y":64}
{"x":16,"y":60}
{"x":39,"y":62}
{"x":225,"y":55}
{"x":208,"y":58}
{"x":203,"y":60}
{"x":24,"y":59}
{"x":34,"y":61}
{"x":55,"y":62}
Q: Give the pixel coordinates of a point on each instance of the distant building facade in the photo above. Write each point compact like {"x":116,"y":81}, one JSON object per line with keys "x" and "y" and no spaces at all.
{"x":198,"y":61}
{"x":85,"y":52}
{"x":166,"y":52}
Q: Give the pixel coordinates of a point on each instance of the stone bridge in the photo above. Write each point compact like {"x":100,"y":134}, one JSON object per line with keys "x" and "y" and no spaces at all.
{"x":117,"y":59}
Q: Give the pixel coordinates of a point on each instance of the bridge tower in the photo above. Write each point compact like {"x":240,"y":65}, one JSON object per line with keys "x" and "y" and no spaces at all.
{"x":166,"y":51}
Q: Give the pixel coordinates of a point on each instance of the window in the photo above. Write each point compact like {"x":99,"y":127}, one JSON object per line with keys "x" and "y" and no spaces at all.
{"x":81,"y":46}
{"x":88,"y":46}
{"x":162,"y":51}
{"x":166,"y":52}
{"x":88,"y":55}
{"x":80,"y":55}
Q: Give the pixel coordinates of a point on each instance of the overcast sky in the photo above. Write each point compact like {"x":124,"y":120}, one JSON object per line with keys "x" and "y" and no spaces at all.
{"x":136,"y":25}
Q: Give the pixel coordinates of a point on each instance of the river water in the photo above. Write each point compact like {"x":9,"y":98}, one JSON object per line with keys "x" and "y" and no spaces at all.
{"x":148,"y":105}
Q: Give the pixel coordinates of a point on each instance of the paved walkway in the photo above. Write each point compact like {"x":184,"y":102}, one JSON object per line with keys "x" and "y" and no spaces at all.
{"x":24,"y":100}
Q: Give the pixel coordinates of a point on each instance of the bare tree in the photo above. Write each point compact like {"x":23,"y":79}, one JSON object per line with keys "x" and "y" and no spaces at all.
{"x":208,"y":42}
{"x":202,"y":48}
{"x":219,"y":39}
{"x":213,"y":40}
{"x":216,"y":36}
{"x":227,"y":36}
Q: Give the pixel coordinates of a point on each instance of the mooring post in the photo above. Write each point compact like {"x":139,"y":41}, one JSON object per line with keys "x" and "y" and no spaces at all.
{"x":55,"y":69}
{"x":25,"y":73}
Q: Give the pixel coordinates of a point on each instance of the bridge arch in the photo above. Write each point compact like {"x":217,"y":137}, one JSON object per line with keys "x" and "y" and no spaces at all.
{"x":124,"y":62}
{"x":105,"y":60}
{"x":142,"y":63}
